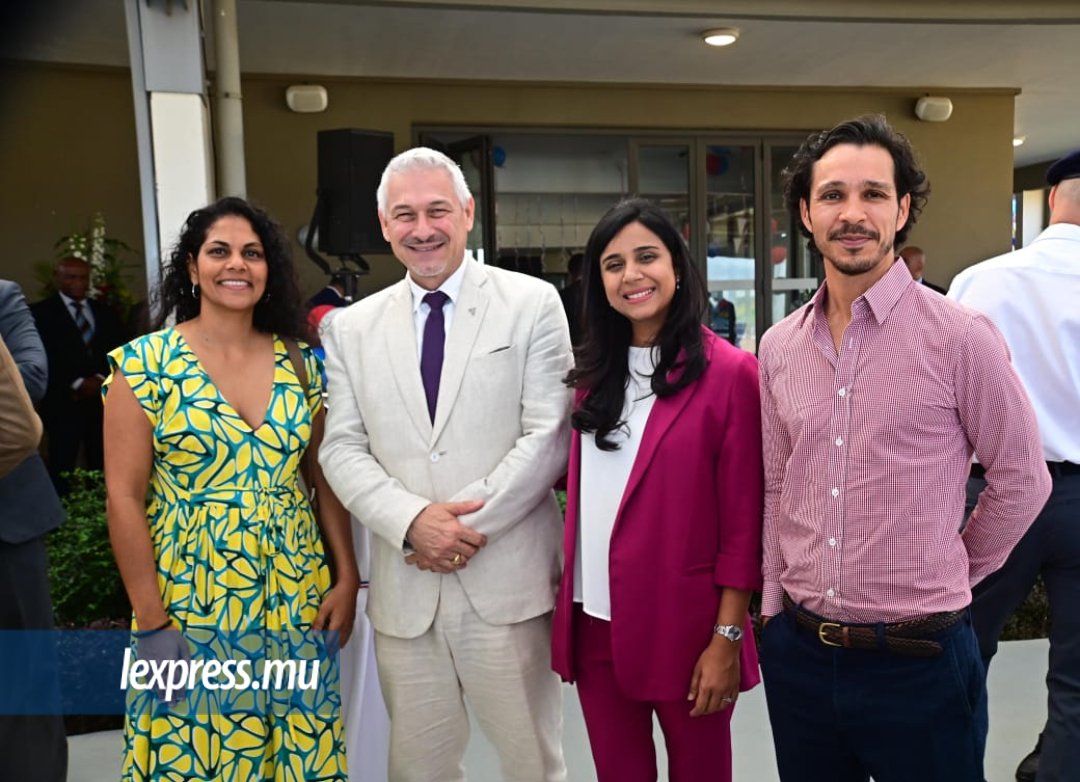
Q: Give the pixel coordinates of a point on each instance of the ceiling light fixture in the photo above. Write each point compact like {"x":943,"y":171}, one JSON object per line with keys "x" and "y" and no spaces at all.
{"x":1018,"y":140}
{"x":721,"y":36}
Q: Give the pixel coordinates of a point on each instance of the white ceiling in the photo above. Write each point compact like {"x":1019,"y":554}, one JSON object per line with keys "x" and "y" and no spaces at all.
{"x":474,"y":39}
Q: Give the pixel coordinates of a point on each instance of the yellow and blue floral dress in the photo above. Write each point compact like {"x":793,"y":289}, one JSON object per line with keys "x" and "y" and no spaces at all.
{"x":237,"y":549}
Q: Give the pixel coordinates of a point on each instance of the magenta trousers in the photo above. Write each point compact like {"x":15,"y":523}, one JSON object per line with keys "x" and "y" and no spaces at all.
{"x":620,"y":729}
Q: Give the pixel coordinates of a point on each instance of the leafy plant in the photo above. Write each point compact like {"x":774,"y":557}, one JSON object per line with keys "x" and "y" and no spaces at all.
{"x":84,"y":581}
{"x":1032,"y":618}
{"x":110,"y":261}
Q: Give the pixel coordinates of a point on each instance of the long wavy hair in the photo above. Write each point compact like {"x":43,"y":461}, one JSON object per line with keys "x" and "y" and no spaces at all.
{"x":867,"y":130}
{"x":601,"y":360}
{"x":279,"y":311}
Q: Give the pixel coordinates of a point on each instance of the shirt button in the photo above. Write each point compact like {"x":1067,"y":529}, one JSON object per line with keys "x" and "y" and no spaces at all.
{"x":842,"y":392}
{"x":836,"y":492}
{"x":831,"y":593}
{"x":839,"y":441}
{"x":832,"y":541}
{"x":434,"y":457}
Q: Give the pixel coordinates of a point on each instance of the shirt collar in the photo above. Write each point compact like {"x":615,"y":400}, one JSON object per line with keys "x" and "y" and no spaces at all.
{"x":1059,"y":231}
{"x":881,"y":298}
{"x":69,"y":302}
{"x":451,"y":287}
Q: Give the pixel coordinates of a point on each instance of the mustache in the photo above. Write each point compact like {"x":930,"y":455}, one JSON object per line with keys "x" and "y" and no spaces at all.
{"x":854,"y":230}
{"x":425,"y":240}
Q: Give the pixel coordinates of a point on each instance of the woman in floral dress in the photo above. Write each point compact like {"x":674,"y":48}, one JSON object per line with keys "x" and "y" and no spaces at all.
{"x":206,"y":425}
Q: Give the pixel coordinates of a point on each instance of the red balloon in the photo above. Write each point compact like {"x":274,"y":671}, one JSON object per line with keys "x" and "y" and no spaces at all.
{"x":779,"y":254}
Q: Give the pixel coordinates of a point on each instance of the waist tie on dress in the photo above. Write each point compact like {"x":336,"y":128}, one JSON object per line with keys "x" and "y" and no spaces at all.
{"x":270,"y":504}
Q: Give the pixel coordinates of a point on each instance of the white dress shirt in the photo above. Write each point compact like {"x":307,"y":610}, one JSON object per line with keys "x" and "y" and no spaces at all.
{"x":604,"y":475}
{"x":451,"y":287}
{"x":1033,"y":296}
{"x":86,"y":311}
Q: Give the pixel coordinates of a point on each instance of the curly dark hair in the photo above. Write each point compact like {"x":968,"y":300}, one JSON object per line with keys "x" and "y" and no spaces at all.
{"x":601,"y":360}
{"x":867,"y":130}
{"x":280,"y":311}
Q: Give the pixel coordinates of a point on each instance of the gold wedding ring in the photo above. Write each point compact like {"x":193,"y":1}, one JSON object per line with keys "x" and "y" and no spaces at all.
{"x":458,"y":559}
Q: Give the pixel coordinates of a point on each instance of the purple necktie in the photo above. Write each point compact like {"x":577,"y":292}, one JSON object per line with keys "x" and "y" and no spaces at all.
{"x":431,"y":354}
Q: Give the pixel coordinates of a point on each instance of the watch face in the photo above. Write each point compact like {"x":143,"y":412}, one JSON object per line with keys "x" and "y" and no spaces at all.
{"x":731,"y":632}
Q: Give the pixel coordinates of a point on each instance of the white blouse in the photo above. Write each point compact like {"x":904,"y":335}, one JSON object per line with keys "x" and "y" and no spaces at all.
{"x":604,"y":475}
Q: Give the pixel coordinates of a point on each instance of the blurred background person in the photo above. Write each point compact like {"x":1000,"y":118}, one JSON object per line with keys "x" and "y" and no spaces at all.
{"x":571,"y":296}
{"x":915,"y":260}
{"x":34,"y":746}
{"x":1032,"y":296}
{"x":77,"y":333}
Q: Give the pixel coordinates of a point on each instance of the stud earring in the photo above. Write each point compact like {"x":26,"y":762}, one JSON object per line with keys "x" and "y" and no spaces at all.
{"x":678,"y":282}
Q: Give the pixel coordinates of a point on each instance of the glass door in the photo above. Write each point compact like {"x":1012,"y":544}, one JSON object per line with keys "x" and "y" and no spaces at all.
{"x":729,"y":184}
{"x":474,"y":155}
{"x":793,"y":272}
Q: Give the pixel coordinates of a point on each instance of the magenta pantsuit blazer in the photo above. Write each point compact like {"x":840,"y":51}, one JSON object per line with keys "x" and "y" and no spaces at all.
{"x":688,"y":525}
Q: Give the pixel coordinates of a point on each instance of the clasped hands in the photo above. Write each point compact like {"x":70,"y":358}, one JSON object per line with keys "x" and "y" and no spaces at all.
{"x":441,"y":543}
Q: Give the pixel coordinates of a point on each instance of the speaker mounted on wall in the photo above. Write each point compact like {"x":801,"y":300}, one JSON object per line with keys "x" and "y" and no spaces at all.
{"x":350,"y":164}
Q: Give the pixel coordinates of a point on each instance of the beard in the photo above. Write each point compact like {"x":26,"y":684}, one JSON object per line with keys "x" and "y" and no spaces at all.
{"x":859,"y":261}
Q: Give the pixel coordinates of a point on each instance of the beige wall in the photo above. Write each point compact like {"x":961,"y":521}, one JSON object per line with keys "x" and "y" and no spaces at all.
{"x":67,"y":147}
{"x":67,"y":150}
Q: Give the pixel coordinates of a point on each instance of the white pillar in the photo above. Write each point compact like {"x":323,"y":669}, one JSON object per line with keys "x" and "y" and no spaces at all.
{"x":171,"y":121}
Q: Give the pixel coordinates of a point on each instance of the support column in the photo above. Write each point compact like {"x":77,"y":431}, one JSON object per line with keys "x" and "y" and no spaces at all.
{"x":228,"y":103}
{"x":171,"y":120}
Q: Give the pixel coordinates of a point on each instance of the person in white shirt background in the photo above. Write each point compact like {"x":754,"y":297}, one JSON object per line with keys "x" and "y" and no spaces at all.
{"x":1033,"y":296}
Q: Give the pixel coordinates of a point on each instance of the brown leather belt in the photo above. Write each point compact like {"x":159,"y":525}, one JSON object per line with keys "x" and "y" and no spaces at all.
{"x":907,"y":638}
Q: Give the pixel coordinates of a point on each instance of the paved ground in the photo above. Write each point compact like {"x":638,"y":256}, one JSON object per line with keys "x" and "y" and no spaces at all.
{"x":1017,"y":713}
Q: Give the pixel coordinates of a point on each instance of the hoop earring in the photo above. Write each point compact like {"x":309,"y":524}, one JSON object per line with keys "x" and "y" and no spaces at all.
{"x":194,"y":291}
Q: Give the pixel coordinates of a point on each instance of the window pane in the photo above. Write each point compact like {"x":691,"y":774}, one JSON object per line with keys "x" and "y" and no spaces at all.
{"x":794,"y":280}
{"x":729,"y":206}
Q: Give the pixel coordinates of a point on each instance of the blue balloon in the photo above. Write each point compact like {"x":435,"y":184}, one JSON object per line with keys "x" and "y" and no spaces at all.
{"x":498,"y":155}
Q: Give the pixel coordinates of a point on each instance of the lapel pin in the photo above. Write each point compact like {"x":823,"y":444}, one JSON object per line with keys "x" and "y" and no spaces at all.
{"x":472,"y":310}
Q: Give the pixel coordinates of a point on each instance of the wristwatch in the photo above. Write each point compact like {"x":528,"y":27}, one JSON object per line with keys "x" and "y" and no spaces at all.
{"x":731,"y":632}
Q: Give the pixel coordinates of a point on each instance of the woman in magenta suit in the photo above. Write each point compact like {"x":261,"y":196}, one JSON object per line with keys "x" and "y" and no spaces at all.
{"x":663,"y":515}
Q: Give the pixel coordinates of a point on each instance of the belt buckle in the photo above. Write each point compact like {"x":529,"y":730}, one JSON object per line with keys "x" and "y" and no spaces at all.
{"x":821,"y":633}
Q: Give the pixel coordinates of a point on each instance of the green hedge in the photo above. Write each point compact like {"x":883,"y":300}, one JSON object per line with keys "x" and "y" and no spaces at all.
{"x":84,"y":581}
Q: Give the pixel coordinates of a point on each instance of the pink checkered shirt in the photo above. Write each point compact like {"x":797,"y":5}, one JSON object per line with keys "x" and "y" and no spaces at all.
{"x":867,"y":454}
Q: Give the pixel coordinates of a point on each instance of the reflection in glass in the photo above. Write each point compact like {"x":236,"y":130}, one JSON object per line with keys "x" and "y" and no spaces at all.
{"x":470,"y":166}
{"x":731,"y":246}
{"x":664,"y":179}
{"x":794,"y":279}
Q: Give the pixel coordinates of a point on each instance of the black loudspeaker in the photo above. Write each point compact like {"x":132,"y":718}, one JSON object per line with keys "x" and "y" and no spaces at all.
{"x":350,"y":165}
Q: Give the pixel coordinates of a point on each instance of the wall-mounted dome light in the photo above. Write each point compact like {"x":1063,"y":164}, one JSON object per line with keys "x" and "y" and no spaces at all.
{"x":1018,"y":140}
{"x":721,"y":36}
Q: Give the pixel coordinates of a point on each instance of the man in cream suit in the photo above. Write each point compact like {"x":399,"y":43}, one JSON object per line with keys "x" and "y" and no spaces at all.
{"x":448,"y":425}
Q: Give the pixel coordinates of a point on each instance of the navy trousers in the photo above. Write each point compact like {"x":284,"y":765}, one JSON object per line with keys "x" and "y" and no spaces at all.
{"x":844,"y":715}
{"x":1051,"y":547}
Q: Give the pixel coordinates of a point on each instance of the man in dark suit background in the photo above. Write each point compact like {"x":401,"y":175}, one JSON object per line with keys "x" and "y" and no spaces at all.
{"x":915,"y":260}
{"x":77,"y":333}
{"x":31,"y":747}
{"x":333,"y":295}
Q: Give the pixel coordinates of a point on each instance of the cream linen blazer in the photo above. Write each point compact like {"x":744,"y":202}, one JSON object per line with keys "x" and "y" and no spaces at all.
{"x":501,"y":434}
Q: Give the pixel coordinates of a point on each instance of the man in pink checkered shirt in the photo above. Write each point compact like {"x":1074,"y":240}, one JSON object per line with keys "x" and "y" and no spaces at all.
{"x":875,"y":395}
